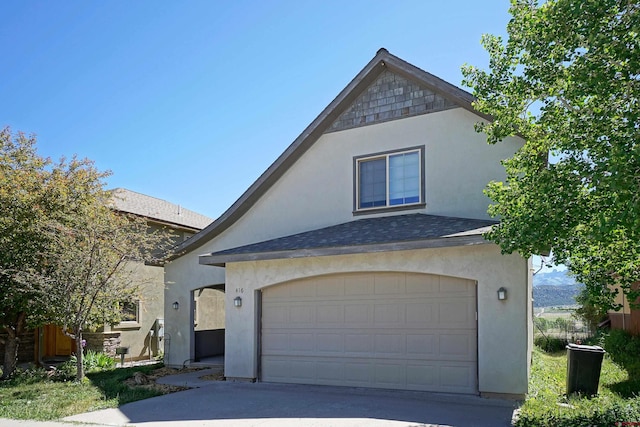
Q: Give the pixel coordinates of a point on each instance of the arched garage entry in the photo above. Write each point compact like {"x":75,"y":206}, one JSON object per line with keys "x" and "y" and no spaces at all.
{"x":390,"y":330}
{"x":208,"y":313}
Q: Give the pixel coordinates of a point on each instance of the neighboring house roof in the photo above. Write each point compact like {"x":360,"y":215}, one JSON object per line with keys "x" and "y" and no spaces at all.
{"x":383,"y":61}
{"x":157,"y":209}
{"x":413,"y":231}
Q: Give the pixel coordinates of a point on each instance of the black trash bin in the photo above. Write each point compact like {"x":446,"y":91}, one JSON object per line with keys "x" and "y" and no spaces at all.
{"x":583,"y":368}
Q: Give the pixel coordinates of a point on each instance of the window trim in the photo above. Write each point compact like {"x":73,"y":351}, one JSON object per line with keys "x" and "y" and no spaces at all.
{"x":386,"y":154}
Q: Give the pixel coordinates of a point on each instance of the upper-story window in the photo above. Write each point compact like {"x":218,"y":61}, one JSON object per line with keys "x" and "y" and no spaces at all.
{"x":389,"y":179}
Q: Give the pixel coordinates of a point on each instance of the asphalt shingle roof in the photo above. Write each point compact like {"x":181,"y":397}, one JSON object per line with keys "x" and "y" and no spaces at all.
{"x":370,"y":231}
{"x":150,"y":207}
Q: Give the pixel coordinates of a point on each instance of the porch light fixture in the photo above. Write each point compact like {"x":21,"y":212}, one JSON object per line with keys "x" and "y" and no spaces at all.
{"x":502,"y":294}
{"x":176,"y":305}
{"x":237,"y":302}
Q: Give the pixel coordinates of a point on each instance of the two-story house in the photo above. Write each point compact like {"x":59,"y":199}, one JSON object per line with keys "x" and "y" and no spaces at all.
{"x":142,"y":317}
{"x":358,"y":259}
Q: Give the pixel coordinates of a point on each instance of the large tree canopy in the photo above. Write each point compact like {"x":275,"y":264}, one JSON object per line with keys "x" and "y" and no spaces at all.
{"x":24,"y":208}
{"x":67,"y":258}
{"x":567,"y":80}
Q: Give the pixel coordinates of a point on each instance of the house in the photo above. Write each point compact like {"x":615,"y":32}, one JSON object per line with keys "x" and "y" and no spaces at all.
{"x":358,"y":259}
{"x":628,"y":317}
{"x":143,"y":317}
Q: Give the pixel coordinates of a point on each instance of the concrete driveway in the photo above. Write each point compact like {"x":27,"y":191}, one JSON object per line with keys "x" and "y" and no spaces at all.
{"x":216,"y":404}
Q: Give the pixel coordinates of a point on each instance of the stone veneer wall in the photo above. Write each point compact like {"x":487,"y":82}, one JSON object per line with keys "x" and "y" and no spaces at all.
{"x":390,"y":97}
{"x":26,"y":347}
{"x":105,"y":342}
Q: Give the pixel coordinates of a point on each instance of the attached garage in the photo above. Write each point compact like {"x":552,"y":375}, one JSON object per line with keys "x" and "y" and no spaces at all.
{"x":391,"y":330}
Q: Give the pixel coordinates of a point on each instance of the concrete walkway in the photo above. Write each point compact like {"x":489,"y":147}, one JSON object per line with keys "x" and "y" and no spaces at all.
{"x":220,"y":403}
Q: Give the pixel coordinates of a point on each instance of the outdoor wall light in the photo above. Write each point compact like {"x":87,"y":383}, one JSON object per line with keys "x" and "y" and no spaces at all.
{"x":237,"y":302}
{"x":176,"y":305}
{"x":502,"y":294}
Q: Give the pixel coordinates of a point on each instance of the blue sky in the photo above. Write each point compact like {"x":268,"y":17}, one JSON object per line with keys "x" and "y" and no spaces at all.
{"x":191,"y":101}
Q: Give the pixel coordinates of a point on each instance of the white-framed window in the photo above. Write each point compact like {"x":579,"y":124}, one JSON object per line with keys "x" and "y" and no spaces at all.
{"x":390,"y":179}
{"x":130,"y":312}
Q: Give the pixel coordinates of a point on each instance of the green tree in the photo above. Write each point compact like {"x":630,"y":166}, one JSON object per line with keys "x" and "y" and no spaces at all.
{"x":67,"y":257}
{"x":567,"y":80}
{"x":95,"y":254}
{"x":589,"y":313}
{"x":25,"y":205}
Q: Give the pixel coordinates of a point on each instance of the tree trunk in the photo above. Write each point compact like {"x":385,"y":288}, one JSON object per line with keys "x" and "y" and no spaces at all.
{"x":11,"y":346}
{"x":10,"y":356}
{"x":79,"y":356}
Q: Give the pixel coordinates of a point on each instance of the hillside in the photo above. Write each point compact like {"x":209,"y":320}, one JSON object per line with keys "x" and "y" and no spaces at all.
{"x":554,"y":288}
{"x":551,"y":296}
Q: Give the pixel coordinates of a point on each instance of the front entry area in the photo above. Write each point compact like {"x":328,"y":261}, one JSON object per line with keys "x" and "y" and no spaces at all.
{"x":208,"y":323}
{"x":56,"y":343}
{"x":387,"y":330}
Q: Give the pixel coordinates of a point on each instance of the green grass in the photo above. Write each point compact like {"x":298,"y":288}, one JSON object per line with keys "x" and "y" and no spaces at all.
{"x":33,"y":396}
{"x":617,"y":401}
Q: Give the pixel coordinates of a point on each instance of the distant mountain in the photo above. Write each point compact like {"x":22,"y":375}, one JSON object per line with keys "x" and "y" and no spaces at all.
{"x":554,"y":288}
{"x":553,"y":278}
{"x":552,"y":296}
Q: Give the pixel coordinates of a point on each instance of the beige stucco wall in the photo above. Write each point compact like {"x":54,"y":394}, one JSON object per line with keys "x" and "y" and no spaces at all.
{"x":209,"y":313}
{"x":136,"y":336}
{"x":504,"y":341}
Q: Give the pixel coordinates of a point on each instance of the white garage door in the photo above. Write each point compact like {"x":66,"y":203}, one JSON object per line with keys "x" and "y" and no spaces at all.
{"x":384,"y":330}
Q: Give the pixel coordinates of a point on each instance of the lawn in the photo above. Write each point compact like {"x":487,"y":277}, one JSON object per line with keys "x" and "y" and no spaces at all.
{"x":617,"y":402}
{"x":31,"y":395}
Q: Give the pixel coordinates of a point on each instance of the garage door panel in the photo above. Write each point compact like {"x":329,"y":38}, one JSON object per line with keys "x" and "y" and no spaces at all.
{"x":361,"y":285}
{"x":455,"y":285}
{"x":300,"y":314}
{"x":289,"y":370}
{"x":456,"y":346}
{"x":389,"y":375}
{"x":275,"y":343}
{"x":275,"y":315}
{"x":389,"y":284}
{"x":359,"y":343}
{"x":423,"y":345}
{"x":330,"y":286}
{"x":421,"y":313}
{"x":422,"y":284}
{"x":357,"y":315}
{"x":302,"y":289}
{"x":456,"y":377}
{"x":385,"y":314}
{"x":302,"y":342}
{"x":459,"y":314}
{"x":358,"y":373}
{"x":414,"y":338}
{"x":389,"y":345}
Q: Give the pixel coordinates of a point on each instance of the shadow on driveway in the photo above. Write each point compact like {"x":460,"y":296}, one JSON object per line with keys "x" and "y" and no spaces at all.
{"x":266,"y":404}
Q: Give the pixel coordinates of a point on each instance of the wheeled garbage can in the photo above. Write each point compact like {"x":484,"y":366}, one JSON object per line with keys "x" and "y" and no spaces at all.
{"x":583,"y":368}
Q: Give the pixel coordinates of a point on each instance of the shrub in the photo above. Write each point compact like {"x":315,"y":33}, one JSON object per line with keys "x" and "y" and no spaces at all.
{"x":92,"y":362}
{"x":597,"y":414}
{"x":97,"y":361}
{"x":550,"y":344}
{"x":28,"y":376}
{"x":624,"y":349}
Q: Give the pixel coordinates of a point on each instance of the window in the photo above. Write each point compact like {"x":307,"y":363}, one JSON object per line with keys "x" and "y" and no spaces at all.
{"x":130,"y":311}
{"x":389,"y":179}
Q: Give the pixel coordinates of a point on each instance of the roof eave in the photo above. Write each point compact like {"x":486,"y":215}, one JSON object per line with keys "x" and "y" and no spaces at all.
{"x":222,"y":259}
{"x":173,"y":225}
